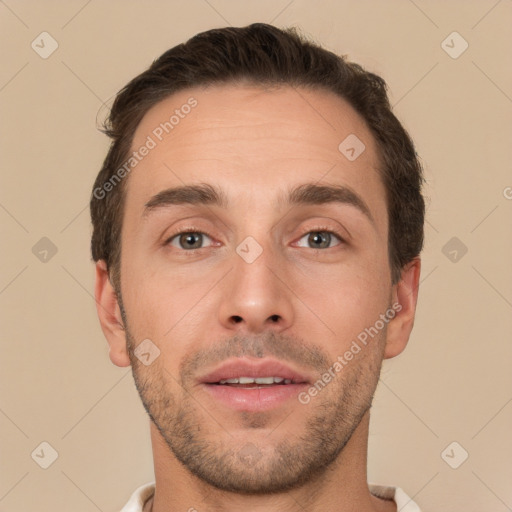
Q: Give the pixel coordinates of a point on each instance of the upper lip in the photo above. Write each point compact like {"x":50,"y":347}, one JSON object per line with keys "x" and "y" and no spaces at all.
{"x":232,"y":369}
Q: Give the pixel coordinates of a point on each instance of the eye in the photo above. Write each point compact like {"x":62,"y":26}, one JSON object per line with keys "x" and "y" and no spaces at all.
{"x":187,"y":240}
{"x":321,"y":239}
{"x":193,"y":240}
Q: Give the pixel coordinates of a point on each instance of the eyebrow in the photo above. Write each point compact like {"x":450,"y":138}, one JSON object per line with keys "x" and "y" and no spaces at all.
{"x":305,"y":194}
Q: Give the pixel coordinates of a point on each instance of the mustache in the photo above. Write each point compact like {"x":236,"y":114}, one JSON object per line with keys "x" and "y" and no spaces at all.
{"x":282,"y":347}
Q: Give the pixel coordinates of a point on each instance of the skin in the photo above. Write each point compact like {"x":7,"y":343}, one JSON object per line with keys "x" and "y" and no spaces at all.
{"x":301,"y":304}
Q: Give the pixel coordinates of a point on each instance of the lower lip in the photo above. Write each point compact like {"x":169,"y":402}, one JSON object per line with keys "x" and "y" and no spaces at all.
{"x":254,"y":400}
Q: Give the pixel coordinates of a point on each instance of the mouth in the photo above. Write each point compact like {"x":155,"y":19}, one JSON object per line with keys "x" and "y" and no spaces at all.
{"x":244,"y":372}
{"x":254,"y":382}
{"x":251,"y":385}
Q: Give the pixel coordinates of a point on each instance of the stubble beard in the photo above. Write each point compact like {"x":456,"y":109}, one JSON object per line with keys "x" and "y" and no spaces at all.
{"x":257,"y":465}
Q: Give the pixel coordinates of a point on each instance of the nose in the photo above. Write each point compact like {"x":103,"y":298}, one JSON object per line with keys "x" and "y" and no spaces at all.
{"x":256,"y":296}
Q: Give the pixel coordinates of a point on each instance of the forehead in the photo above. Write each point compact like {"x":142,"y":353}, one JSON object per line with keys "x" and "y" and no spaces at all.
{"x":249,"y":140}
{"x":240,"y":112}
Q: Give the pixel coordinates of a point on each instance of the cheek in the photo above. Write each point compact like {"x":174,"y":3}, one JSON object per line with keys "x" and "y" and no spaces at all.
{"x":350,"y":299}
{"x":166,"y":307}
{"x":148,"y":302}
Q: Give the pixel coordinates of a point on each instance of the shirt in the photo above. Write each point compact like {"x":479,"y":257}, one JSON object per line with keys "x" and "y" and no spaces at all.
{"x":403,"y":502}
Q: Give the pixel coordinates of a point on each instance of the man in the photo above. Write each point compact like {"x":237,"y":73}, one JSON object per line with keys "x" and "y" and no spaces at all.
{"x":257,"y":228}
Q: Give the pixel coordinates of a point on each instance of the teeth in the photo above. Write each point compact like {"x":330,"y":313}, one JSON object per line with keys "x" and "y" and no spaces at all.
{"x":264,"y":380}
{"x":257,"y":380}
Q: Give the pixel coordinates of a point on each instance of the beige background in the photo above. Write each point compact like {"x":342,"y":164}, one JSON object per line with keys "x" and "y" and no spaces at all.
{"x":453,"y":382}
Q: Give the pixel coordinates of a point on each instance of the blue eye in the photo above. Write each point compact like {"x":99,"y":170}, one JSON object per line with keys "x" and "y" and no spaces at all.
{"x":188,"y":240}
{"x":321,"y":239}
{"x":193,"y":240}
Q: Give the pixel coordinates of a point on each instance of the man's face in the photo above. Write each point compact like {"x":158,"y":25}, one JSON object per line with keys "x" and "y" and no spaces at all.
{"x":257,"y":278}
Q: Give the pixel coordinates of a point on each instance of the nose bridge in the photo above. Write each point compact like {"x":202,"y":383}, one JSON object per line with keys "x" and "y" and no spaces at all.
{"x":256,"y":258}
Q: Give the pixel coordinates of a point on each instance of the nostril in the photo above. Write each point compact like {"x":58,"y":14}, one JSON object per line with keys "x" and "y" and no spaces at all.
{"x":237,"y":319}
{"x":275,"y":318}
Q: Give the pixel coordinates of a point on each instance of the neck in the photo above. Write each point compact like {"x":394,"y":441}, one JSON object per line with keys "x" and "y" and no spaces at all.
{"x":342,"y":487}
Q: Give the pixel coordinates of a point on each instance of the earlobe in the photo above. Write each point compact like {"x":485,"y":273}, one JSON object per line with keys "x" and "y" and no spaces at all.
{"x":404,"y":300}
{"x":109,"y":315}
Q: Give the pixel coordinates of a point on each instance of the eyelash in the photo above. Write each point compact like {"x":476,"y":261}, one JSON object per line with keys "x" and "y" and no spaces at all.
{"x":192,"y":230}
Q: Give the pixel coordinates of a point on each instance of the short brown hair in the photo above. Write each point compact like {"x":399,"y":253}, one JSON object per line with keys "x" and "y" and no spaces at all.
{"x":262,"y":54}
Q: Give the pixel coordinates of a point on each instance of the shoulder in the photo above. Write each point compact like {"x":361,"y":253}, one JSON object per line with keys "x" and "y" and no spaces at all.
{"x":402,"y":500}
{"x":139,"y":497}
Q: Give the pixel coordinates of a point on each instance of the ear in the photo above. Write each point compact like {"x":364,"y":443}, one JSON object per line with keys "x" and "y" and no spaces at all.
{"x":109,"y":314}
{"x":404,"y":299}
